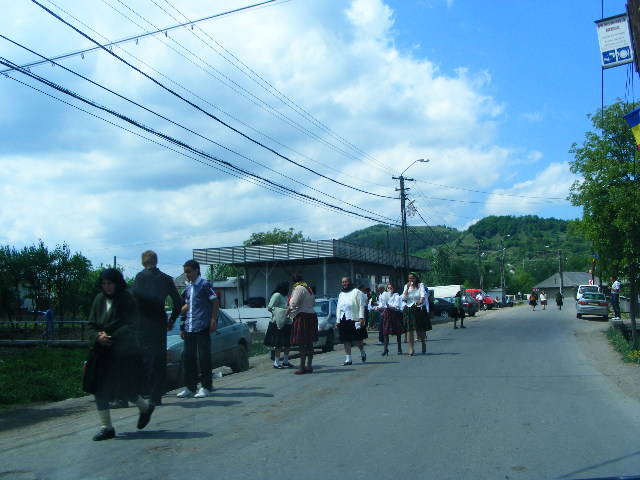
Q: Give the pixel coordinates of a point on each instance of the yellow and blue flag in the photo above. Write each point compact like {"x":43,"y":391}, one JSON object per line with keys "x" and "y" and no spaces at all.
{"x":633,"y":119}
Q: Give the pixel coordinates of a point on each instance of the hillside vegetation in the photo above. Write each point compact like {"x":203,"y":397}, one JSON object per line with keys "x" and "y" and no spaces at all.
{"x":532,"y":248}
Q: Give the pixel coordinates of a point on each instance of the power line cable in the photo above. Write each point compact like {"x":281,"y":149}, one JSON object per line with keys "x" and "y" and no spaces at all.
{"x":491,"y":193}
{"x":173,"y":140}
{"x":197,"y":107}
{"x":265,"y":84}
{"x":182,"y":126}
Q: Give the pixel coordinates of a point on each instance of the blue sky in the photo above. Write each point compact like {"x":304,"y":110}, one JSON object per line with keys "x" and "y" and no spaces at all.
{"x":493,"y":93}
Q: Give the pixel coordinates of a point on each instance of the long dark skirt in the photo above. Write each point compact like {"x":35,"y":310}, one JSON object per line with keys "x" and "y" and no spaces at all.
{"x":392,"y":322}
{"x":458,"y":313}
{"x":304,"y":330}
{"x":276,"y":337}
{"x":416,"y":318}
{"x":349,"y":332}
{"x":120,"y":374}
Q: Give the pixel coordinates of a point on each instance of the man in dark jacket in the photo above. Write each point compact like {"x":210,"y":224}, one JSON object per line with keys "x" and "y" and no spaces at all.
{"x":151,"y":288}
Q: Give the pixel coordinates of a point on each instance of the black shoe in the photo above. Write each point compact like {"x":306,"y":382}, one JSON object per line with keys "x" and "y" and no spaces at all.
{"x":412,"y":354}
{"x":287,"y":365}
{"x":347,"y":363}
{"x":385,"y":352}
{"x":105,"y":433}
{"x":364,"y":357}
{"x":463,"y":326}
{"x":143,"y":419}
{"x":456,"y":327}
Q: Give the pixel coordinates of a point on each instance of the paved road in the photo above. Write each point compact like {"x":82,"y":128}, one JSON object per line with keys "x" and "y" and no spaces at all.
{"x":514,"y":396}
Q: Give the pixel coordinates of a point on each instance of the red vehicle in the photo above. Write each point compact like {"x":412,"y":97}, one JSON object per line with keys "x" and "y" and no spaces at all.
{"x":487,"y":302}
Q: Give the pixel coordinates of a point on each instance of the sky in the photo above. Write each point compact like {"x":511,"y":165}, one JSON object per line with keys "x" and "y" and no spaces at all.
{"x":493,"y":94}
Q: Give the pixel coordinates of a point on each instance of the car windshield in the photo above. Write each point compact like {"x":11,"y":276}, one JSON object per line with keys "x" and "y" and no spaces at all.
{"x":589,"y":288}
{"x":322,"y":308}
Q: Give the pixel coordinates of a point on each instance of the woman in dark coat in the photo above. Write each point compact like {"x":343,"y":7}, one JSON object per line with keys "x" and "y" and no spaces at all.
{"x":115,"y":366}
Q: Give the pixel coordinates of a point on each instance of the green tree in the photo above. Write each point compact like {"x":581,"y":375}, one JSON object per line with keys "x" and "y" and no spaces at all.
{"x":275,"y":237}
{"x":608,"y":192}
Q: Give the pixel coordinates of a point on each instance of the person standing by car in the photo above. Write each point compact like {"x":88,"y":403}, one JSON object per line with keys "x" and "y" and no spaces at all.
{"x":350,"y":319}
{"x":151,"y":288}
{"x":390,"y":308}
{"x":114,"y":370}
{"x":278,"y":334}
{"x":458,"y":311}
{"x":559,"y":300}
{"x":200,"y":319}
{"x":543,"y":300}
{"x":415,"y":315}
{"x":533,"y":301}
{"x":480,"y":300}
{"x":615,"y":297}
{"x":304,"y":328}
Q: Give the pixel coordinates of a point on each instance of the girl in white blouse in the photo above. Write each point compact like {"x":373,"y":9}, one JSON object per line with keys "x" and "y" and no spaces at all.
{"x":415,"y":315}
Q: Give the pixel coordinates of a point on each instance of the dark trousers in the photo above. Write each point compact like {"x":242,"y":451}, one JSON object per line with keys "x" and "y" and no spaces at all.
{"x":615,"y":303}
{"x":197,"y":351}
{"x":155,"y":365}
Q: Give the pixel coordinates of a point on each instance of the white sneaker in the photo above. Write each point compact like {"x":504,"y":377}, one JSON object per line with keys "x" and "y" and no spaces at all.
{"x":186,"y":393}
{"x":202,"y":393}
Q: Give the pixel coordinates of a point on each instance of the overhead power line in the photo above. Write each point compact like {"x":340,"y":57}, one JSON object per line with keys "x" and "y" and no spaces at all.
{"x":170,"y":139}
{"x":159,"y":115}
{"x":200,"y":109}
{"x":146,"y":34}
{"x":551,"y":199}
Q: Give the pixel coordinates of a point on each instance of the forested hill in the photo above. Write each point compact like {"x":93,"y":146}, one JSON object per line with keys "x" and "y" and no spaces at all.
{"x":532,"y":246}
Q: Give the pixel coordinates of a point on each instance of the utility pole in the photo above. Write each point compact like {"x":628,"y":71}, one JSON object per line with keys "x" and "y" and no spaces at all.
{"x":560,"y":271}
{"x":403,"y":212}
{"x":479,"y":255}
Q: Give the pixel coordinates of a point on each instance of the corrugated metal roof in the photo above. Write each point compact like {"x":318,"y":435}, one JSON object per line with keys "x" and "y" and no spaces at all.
{"x":318,"y":249}
{"x":571,"y":279}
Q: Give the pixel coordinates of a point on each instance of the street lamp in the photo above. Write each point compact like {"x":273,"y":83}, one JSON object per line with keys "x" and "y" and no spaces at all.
{"x":403,"y":211}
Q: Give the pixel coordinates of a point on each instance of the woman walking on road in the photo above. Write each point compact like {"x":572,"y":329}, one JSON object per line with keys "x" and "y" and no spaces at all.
{"x":390,"y":308}
{"x":304,"y":328}
{"x":279,"y":331}
{"x":543,"y":300}
{"x":416,"y":312}
{"x":115,"y":367}
{"x":459,"y":311}
{"x":559,"y":300}
{"x":350,"y":319}
{"x":533,"y":301}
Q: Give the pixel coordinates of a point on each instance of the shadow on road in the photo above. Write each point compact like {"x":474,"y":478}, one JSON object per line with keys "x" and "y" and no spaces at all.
{"x":22,"y":417}
{"x":442,"y":353}
{"x":601,"y":464}
{"x":205,"y":403}
{"x":331,"y":370}
{"x":238,"y":388}
{"x":161,"y":434}
{"x":241,"y":394}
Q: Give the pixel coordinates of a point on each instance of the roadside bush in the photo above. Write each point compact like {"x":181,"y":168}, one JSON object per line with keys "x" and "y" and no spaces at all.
{"x":40,"y":374}
{"x":622,"y":346}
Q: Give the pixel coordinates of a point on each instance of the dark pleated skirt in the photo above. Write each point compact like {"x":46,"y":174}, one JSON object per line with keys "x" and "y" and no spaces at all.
{"x":416,"y":318}
{"x":278,"y":338}
{"x":304,"y":330}
{"x":458,"y":313}
{"x":392,"y":322}
{"x":349,"y":332}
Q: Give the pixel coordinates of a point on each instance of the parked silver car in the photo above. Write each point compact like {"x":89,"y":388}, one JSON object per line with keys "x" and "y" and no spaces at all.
{"x":327,"y":334}
{"x":592,"y":303}
{"x":229,"y":347}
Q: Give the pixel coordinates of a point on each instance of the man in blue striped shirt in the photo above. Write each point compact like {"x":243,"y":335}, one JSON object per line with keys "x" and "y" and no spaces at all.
{"x":200,"y":314}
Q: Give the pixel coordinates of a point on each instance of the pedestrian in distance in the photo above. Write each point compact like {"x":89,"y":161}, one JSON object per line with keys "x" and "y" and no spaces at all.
{"x":390,"y":308}
{"x":458,"y":312}
{"x":480,"y":300}
{"x":415,"y":315}
{"x":304,"y":327}
{"x":559,"y":300}
{"x":615,"y":297}
{"x":543,"y":300}
{"x":200,"y":319}
{"x":151,"y":288}
{"x":533,"y":301}
{"x":350,"y":319}
{"x":278,"y":334}
{"x":114,"y":369}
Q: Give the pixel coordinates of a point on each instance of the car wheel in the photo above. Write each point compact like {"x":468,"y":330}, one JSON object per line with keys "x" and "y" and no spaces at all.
{"x":578,"y":315}
{"x":241,"y":360}
{"x":328,"y":344}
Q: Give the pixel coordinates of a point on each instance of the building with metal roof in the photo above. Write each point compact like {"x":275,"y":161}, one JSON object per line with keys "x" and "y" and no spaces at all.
{"x":322,"y":263}
{"x":570,"y":282}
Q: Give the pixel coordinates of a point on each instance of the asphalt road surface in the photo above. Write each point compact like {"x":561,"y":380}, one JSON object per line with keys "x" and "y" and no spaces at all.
{"x":516,"y":395}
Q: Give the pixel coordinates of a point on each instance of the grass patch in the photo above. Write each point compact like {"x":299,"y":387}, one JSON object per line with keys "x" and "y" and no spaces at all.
{"x":622,"y":346}
{"x":40,"y":374}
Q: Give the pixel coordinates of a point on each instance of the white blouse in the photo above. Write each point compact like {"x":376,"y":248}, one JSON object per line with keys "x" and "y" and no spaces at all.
{"x":412,"y":296}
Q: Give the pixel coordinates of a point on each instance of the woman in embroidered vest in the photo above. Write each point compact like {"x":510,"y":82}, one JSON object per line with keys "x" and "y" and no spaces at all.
{"x":415,"y":315}
{"x":390,"y":308}
{"x":113,"y":337}
{"x":304,"y":328}
{"x":279,"y":331}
